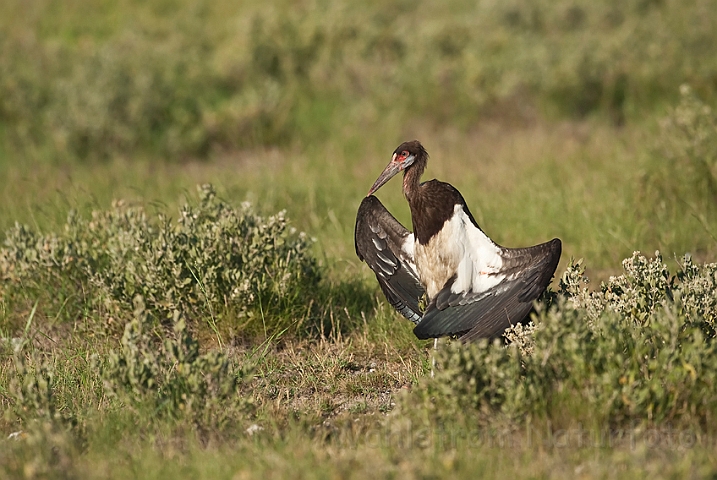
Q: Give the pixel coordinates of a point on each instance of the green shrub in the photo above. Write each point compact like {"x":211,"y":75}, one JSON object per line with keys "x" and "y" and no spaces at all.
{"x":640,"y":350}
{"x":646,"y":286}
{"x":31,"y":386}
{"x":171,"y":378}
{"x":30,"y":263}
{"x":212,"y":261}
{"x":683,"y":168}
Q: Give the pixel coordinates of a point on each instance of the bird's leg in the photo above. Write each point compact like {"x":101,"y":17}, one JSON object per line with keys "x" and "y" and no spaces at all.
{"x":433,"y":360}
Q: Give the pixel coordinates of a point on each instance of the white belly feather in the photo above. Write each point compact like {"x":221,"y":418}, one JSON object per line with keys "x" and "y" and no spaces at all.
{"x":460,"y":249}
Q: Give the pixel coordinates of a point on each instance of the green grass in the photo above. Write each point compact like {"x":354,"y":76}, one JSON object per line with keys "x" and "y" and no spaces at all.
{"x":562,"y":119}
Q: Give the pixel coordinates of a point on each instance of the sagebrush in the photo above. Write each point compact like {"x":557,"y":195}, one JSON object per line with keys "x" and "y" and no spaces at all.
{"x":640,"y":350}
{"x":213,"y":261}
{"x":164,"y":372}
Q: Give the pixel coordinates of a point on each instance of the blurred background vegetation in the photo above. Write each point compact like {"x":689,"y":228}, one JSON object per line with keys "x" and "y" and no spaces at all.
{"x":180,"y":79}
{"x":185,"y":79}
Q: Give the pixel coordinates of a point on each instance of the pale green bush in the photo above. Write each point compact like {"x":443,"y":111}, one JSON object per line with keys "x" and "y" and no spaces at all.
{"x":640,"y":350}
{"x":31,"y":386}
{"x":644,"y":288}
{"x":170,"y":377}
{"x":683,"y":172}
{"x":212,"y":261}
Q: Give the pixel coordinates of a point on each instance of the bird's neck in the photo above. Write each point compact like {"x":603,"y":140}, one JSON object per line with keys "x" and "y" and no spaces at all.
{"x":412,"y":179}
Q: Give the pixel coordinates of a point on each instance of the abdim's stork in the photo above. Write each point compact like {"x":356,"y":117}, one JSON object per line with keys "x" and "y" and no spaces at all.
{"x":475,"y":288}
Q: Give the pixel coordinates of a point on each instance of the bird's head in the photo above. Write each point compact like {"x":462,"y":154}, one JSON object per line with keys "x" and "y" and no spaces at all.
{"x":403,"y":157}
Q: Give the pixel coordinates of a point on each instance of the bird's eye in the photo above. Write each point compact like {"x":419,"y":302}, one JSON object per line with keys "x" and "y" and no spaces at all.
{"x":404,"y":154}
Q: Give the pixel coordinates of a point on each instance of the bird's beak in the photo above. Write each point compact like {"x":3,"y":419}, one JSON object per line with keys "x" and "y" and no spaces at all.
{"x":391,"y":169}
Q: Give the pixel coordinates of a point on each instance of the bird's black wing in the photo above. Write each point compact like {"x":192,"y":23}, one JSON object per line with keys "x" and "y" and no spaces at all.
{"x":381,"y":241}
{"x":487,"y":314}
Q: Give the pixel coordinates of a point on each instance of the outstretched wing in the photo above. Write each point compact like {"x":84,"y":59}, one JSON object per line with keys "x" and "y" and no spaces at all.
{"x":387,"y":247}
{"x":486,"y":314}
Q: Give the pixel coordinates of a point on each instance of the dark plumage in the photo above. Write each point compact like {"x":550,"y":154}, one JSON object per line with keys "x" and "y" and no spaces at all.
{"x":475,"y":287}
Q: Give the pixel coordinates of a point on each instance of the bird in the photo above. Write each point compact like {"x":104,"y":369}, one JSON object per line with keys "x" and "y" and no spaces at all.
{"x":471,"y":287}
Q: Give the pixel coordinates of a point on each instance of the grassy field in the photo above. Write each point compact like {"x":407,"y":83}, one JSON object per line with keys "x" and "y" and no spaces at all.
{"x":154,"y":329}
